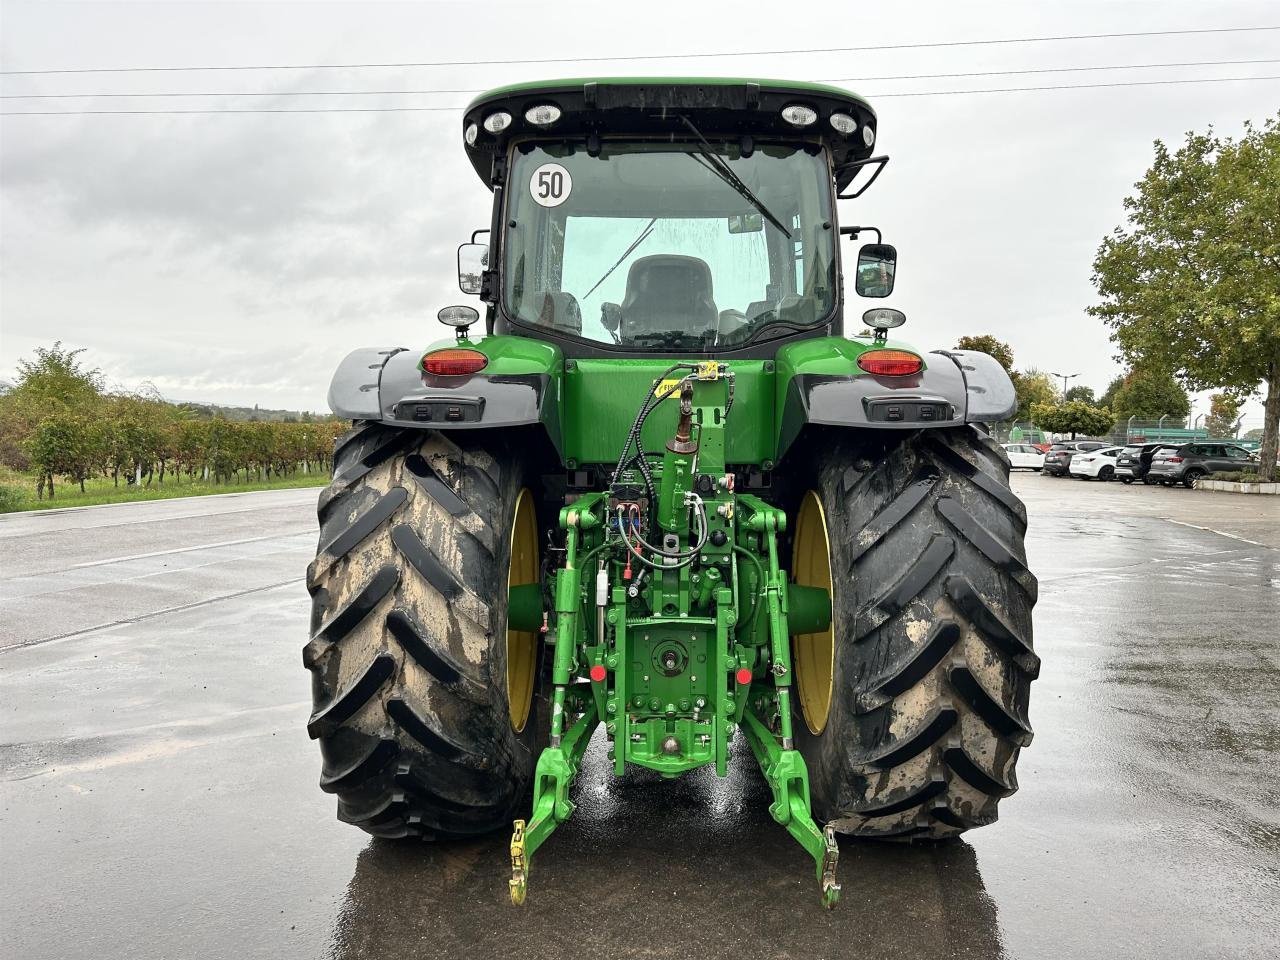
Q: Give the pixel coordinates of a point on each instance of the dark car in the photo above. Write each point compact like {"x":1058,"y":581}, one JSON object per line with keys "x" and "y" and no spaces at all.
{"x":1135,"y":460}
{"x":1191,"y":461}
{"x":1057,"y":462}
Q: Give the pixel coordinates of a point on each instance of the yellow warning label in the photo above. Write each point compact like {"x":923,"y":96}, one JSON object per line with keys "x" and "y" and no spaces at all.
{"x":666,"y":387}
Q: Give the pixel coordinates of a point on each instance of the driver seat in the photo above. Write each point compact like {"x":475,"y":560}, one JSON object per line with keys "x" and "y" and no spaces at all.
{"x":667,"y":292}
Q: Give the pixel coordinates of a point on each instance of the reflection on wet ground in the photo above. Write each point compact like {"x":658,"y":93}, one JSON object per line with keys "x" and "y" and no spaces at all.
{"x":158,"y":792}
{"x":663,"y":865}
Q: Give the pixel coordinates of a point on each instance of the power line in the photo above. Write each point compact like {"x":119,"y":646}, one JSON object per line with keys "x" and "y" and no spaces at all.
{"x":406,"y":93}
{"x":873,"y":96}
{"x":1075,"y":86}
{"x":652,"y":56}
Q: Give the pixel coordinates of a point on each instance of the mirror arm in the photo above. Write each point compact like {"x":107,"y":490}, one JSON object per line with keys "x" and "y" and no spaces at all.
{"x":476,"y":233}
{"x":880,"y":163}
{"x":854,"y":231}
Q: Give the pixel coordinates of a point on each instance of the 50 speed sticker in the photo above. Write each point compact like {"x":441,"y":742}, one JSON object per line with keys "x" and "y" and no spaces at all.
{"x":550,"y":185}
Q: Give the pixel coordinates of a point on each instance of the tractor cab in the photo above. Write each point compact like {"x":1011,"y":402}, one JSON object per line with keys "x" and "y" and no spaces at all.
{"x":638,"y":216}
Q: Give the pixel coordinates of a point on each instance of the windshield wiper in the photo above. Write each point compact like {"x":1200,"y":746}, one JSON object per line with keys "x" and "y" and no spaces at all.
{"x":644,"y":235}
{"x":717,"y":165}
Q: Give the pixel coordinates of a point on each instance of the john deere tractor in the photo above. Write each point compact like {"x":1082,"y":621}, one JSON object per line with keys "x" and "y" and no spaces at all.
{"x":662,"y":494}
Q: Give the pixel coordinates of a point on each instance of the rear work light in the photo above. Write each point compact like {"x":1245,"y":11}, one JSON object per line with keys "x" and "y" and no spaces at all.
{"x":454,"y":362}
{"x":890,"y":363}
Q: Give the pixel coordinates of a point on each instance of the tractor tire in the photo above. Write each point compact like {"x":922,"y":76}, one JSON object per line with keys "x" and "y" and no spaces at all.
{"x":408,"y":648}
{"x":929,"y":658}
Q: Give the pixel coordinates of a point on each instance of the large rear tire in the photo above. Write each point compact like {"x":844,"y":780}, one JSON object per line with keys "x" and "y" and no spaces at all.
{"x":928,"y":663}
{"x":409,"y":646}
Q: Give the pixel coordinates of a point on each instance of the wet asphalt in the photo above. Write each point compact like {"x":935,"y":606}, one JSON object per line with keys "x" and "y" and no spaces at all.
{"x":158,"y":792}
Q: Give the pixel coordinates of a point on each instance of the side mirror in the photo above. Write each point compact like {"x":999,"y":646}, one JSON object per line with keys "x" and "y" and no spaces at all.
{"x":473,"y":261}
{"x":877,"y":263}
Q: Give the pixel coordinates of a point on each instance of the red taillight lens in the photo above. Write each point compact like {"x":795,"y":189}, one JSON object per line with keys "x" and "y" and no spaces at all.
{"x":1174,"y":460}
{"x":890,"y":363}
{"x":454,"y":362}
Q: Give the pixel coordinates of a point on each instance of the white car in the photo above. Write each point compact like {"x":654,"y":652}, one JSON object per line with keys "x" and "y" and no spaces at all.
{"x":1023,"y":456}
{"x":1095,"y":464}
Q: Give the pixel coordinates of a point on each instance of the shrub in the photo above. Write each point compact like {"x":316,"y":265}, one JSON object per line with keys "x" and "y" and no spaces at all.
{"x":1235,"y":476}
{"x":11,"y":497}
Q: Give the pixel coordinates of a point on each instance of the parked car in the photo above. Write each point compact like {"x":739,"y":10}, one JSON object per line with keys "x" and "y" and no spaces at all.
{"x":1024,"y":456}
{"x":1057,"y":462}
{"x":1094,"y":464}
{"x":1135,"y":460}
{"x":1191,"y":461}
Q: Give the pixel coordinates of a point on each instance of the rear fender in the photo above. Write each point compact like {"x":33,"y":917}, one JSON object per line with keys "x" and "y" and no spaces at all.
{"x":820,"y":383}
{"x":522,"y":385}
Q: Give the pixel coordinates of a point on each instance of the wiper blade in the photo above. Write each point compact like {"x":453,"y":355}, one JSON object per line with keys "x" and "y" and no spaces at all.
{"x":644,"y":235}
{"x":717,"y":165}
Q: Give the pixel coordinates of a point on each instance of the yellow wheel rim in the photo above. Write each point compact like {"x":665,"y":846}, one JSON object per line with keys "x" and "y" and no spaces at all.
{"x":814,"y":652}
{"x":522,"y":645}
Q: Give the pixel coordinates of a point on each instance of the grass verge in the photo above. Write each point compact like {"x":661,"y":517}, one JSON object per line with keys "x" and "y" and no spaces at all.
{"x":18,"y":490}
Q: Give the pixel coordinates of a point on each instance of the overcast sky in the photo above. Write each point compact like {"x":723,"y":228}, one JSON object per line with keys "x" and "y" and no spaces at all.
{"x":237,"y":258}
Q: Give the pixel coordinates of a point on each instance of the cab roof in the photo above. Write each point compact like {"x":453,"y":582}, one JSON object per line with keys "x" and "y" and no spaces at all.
{"x":720,"y":107}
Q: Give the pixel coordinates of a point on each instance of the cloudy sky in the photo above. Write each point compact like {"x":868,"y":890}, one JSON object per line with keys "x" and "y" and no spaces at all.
{"x":235,"y":258}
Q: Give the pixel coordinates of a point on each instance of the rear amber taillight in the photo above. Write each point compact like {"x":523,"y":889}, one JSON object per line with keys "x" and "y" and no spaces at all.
{"x":890,"y":363}
{"x":454,"y":362}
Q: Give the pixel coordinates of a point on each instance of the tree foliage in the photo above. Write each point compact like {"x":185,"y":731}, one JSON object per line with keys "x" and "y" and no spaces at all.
{"x":1147,"y":394}
{"x":1073,"y":417}
{"x":1192,"y":283}
{"x":1033,"y":388}
{"x":1224,"y":414}
{"x":986,"y":343}
{"x":1108,"y":398}
{"x":1082,"y":393}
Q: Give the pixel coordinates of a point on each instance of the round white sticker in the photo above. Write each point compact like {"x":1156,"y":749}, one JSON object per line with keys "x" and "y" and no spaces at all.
{"x":550,"y":185}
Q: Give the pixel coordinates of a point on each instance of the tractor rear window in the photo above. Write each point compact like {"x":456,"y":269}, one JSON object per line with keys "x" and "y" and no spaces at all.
{"x":660,"y":247}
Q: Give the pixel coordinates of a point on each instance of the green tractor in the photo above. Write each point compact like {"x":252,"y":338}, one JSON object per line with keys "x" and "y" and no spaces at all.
{"x":665,"y":499}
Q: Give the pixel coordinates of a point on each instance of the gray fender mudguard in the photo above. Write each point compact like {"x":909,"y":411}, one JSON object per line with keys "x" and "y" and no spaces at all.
{"x":989,"y":393}
{"x":388,"y":386}
{"x":958,"y":387}
{"x":354,"y":389}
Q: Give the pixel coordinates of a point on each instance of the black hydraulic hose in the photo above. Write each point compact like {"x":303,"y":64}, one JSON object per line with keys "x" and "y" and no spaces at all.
{"x":750,"y":622}
{"x":646,"y":407}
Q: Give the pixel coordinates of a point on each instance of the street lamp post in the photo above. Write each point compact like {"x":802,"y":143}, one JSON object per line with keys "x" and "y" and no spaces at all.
{"x":1065,"y":377}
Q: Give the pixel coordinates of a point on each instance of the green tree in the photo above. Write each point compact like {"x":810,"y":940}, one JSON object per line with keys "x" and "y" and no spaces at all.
{"x":1148,"y":395}
{"x":985,"y":343}
{"x":1073,"y":416}
{"x":54,"y":382}
{"x":1082,"y":393}
{"x":1108,"y":398}
{"x":1192,"y":283}
{"x":1224,"y":414}
{"x":64,"y":444}
{"x":1033,"y":387}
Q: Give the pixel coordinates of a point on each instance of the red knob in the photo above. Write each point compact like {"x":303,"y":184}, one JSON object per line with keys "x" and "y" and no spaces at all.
{"x":744,"y":676}
{"x":598,"y":673}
